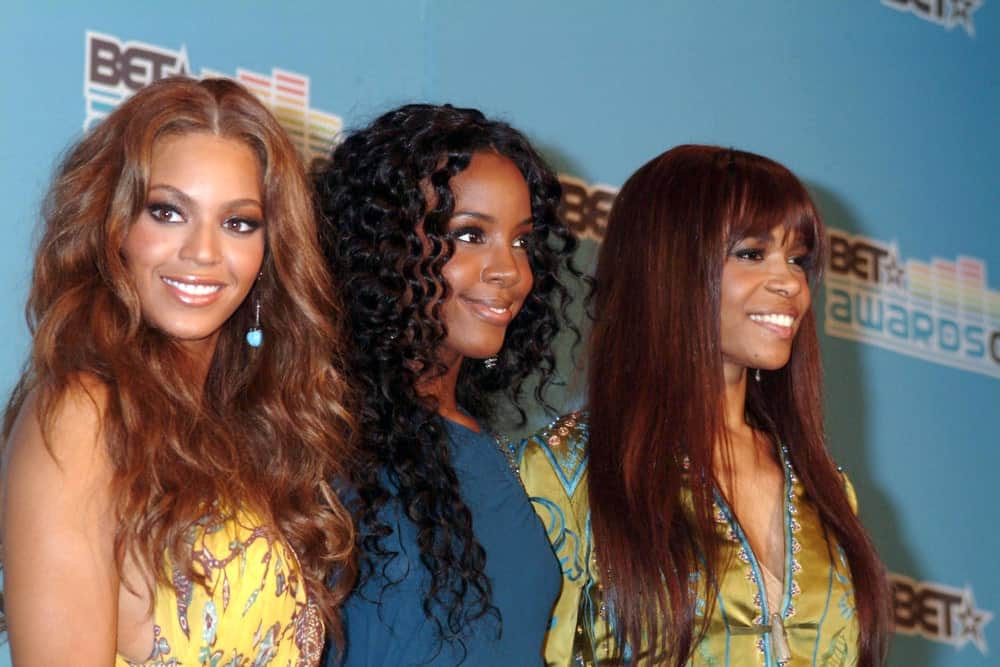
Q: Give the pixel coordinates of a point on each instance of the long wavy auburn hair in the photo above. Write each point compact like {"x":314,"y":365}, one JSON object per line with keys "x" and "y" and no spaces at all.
{"x":373,"y":199}
{"x":657,"y":401}
{"x":268,"y":428}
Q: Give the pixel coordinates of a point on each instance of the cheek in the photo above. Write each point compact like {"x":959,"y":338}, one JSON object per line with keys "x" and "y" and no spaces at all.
{"x":247,"y":257}
{"x":805,"y":296}
{"x":461,"y":272}
{"x":528,"y":277}
{"x":143,"y":248}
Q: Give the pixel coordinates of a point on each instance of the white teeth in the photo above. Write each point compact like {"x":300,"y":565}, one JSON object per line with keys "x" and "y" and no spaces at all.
{"x":774,"y":318}
{"x":498,"y":311}
{"x":193,"y":290}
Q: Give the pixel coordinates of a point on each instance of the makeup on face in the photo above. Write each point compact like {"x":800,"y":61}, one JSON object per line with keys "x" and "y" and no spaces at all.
{"x":764,"y":296}
{"x":489,"y":273}
{"x":196,"y":248}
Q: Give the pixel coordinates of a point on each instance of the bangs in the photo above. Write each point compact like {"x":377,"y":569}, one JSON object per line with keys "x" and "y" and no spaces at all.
{"x":765,"y":198}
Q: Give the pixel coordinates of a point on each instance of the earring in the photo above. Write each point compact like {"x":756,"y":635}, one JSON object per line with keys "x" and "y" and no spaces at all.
{"x":491,"y":362}
{"x":756,"y":375}
{"x":255,"y":335}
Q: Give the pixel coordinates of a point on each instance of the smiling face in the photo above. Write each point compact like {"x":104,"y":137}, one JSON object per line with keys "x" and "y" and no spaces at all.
{"x":195,"y":250}
{"x":764,"y":296}
{"x":489,"y":273}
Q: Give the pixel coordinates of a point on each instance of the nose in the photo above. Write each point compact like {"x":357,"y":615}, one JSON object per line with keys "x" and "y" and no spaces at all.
{"x":202,"y":245}
{"x":501,"y":268}
{"x":785,"y":279}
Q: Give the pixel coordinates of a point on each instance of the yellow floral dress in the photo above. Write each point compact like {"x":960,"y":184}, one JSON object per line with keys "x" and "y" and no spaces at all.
{"x":253,"y":612}
{"x":814,"y":623}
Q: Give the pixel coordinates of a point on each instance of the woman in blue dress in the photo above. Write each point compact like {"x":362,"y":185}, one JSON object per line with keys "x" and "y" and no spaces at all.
{"x":441,"y":230}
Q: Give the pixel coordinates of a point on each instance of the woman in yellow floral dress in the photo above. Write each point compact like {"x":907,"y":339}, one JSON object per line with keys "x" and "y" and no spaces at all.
{"x":696,"y":512}
{"x":168,"y":449}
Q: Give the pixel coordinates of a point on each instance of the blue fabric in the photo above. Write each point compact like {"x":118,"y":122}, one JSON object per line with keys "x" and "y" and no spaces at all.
{"x":520,"y":564}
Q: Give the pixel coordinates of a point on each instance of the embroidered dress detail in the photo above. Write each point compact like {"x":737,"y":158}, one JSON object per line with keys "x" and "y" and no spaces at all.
{"x":809,"y":621}
{"x":253,"y":609}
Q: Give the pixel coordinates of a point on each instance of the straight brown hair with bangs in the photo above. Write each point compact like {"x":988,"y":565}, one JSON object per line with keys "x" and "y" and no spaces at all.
{"x":269,"y":429}
{"x":657,"y":401}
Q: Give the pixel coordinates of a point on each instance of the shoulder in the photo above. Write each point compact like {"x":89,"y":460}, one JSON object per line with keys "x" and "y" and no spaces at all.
{"x":553,"y":461}
{"x":56,"y":462}
{"x":58,"y":522}
{"x":566,"y":436}
{"x":852,"y":496}
{"x":63,"y":431}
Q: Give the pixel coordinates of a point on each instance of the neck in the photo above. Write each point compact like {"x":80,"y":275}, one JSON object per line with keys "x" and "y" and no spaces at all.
{"x":200,"y":353}
{"x":441,"y":388}
{"x":740,"y":450}
{"x":734,"y":410}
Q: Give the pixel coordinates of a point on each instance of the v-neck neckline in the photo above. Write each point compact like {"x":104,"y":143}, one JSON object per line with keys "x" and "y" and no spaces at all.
{"x":756,"y":565}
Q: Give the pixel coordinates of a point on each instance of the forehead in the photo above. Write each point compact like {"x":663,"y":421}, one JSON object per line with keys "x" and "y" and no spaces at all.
{"x":189,"y":148}
{"x":781,"y":235}
{"x":487,"y":173}
{"x":205,"y":162}
{"x":492,"y":189}
{"x":787,"y":225}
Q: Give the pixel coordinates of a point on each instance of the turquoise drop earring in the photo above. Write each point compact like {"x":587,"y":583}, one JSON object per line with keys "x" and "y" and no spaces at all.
{"x":255,"y":335}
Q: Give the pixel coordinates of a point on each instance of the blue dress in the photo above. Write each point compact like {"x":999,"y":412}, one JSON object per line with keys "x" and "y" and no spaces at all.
{"x":522,"y":569}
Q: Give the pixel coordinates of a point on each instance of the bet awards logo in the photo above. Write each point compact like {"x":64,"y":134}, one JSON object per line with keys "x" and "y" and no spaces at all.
{"x":946,"y":13}
{"x":115,"y":69}
{"x":938,"y":613}
{"x":941,"y":312}
{"x":584,"y":208}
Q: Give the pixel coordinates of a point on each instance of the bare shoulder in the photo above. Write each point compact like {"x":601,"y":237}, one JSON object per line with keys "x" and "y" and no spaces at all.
{"x":56,"y":455}
{"x":57,"y":525}
{"x":69,"y":431}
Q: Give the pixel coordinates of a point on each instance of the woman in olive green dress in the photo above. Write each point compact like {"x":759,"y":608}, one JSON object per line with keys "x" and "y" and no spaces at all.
{"x":694,"y":507}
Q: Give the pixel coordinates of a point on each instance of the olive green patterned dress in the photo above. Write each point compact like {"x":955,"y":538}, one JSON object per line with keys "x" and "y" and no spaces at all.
{"x":812,"y":620}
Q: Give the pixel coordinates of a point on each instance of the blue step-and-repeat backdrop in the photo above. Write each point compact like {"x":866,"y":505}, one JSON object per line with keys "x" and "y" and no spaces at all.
{"x":888,"y":109}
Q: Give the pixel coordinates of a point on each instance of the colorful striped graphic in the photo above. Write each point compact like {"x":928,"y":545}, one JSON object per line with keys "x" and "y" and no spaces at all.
{"x":942,"y":311}
{"x":286,"y":93}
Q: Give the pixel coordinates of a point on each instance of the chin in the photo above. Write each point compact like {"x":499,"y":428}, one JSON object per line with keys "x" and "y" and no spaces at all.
{"x":477,"y":348}
{"x":479,"y":356}
{"x":480,"y":352}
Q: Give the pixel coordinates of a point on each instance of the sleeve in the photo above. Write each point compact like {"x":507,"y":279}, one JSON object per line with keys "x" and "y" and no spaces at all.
{"x":553,"y":468}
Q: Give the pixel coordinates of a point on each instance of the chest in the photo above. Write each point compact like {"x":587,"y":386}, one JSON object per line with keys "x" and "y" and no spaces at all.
{"x":520,"y":563}
{"x":252,"y":579}
{"x":808,"y":620}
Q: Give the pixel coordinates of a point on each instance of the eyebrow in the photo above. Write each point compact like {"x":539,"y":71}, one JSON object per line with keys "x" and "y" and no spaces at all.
{"x":486,"y":217}
{"x":763,"y":237}
{"x":790,"y":236}
{"x":187,"y":201}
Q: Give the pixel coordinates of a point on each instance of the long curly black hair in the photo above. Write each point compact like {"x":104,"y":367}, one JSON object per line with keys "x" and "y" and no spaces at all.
{"x":372,"y":196}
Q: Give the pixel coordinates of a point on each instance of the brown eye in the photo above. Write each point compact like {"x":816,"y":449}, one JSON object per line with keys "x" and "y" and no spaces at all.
{"x":164,"y":213}
{"x":750,"y":254}
{"x":469,"y":235}
{"x":804,"y":262}
{"x":241,"y":225}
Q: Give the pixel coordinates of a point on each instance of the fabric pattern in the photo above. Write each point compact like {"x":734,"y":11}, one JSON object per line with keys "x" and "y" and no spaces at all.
{"x":816,"y":617}
{"x":252,"y":612}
